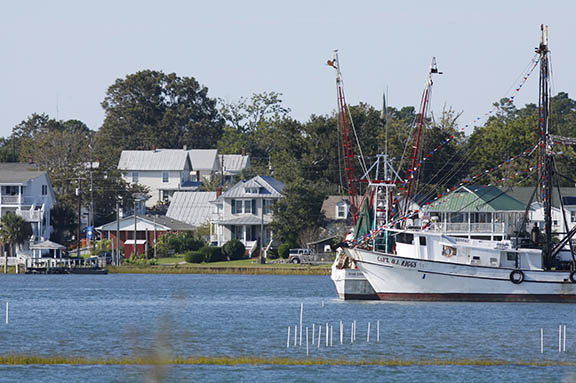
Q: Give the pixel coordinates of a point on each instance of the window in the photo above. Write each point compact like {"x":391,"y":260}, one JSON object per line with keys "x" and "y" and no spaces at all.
{"x":252,"y":190}
{"x":268,"y":203}
{"x":572,"y":215}
{"x":341,"y":210}
{"x":422,"y":241}
{"x":240,"y":206}
{"x":44,"y":189}
{"x":165,"y":177}
{"x":134,"y":177}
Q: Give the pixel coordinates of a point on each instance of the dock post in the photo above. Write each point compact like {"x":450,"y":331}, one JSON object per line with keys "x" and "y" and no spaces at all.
{"x":301,"y":312}
{"x":327,"y":334}
{"x":341,"y":332}
{"x":368,"y":334}
{"x":564,"y":340}
{"x":319,"y":334}
{"x":6,"y":312}
{"x":541,"y":340}
{"x":378,"y":331}
{"x":288,"y":341}
{"x":560,"y":338}
{"x":295,"y":334}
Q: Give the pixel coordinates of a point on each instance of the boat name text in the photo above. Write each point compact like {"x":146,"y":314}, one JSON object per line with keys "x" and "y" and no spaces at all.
{"x":394,"y":261}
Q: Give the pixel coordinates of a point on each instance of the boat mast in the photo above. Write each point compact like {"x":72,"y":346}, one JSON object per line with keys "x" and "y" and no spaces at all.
{"x":346,"y":141}
{"x":546,"y":145}
{"x":411,"y":175}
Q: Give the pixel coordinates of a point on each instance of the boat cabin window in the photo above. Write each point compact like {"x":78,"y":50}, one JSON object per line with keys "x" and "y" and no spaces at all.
{"x":422,"y":241}
{"x":405,"y":238}
{"x":511,"y":256}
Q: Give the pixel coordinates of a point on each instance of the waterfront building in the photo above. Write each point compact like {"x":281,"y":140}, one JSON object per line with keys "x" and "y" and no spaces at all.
{"x":244,"y":212}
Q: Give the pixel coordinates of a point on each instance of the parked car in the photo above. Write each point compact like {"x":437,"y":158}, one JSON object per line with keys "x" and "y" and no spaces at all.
{"x":298,"y":256}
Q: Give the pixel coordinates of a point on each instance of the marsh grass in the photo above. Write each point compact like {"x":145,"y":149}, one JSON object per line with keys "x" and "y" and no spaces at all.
{"x":225,"y":268}
{"x":21,"y":359}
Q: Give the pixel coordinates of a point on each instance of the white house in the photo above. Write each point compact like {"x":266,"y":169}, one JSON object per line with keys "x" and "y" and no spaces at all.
{"x":204,"y":162}
{"x":163,"y":171}
{"x":233,"y":164}
{"x":28,"y":192}
{"x":245,"y":211}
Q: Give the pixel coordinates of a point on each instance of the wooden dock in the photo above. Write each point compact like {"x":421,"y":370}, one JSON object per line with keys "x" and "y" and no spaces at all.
{"x":65,"y":266}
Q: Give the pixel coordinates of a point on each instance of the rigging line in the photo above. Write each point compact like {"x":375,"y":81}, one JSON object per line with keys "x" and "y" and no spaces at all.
{"x":361,"y":156}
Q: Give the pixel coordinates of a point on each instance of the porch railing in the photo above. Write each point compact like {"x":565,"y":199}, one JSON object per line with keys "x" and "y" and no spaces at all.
{"x":449,"y":227}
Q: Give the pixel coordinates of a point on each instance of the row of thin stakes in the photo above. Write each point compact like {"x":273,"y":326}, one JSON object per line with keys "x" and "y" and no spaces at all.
{"x":561,"y":339}
{"x":328,"y":333}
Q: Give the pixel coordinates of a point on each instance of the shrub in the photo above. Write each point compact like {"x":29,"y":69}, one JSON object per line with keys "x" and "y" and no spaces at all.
{"x":272,"y":254}
{"x":284,"y":249}
{"x":194,"y":257}
{"x":171,"y":243}
{"x":234,"y":249}
{"x":212,"y":254}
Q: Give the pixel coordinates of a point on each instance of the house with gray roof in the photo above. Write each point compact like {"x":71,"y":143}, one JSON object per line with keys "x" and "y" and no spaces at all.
{"x":192,"y":208}
{"x":233,"y":164}
{"x":27,"y":191}
{"x":163,"y":171}
{"x":244,"y":212}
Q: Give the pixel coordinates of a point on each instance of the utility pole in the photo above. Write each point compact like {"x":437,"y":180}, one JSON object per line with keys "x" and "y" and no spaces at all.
{"x":155,"y":237}
{"x":118,"y":254}
{"x":91,"y":146}
{"x":79,"y":195}
{"x":135,"y":249}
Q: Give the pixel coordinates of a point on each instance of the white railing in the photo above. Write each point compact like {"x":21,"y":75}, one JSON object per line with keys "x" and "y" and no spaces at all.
{"x":25,"y":200}
{"x":467,"y":227}
{"x":10,"y":200}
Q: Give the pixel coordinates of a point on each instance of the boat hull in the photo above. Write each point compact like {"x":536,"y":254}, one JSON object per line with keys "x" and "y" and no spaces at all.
{"x":351,"y":284}
{"x":407,"y":279}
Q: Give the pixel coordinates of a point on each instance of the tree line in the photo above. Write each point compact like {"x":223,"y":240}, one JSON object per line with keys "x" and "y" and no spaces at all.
{"x":150,"y":109}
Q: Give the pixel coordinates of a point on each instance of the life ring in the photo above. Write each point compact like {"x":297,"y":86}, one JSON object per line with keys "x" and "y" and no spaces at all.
{"x":517,"y":277}
{"x":573,"y":277}
{"x":448,"y":251}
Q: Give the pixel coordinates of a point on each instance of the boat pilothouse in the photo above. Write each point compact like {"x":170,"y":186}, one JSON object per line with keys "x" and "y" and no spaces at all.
{"x":403,"y":263}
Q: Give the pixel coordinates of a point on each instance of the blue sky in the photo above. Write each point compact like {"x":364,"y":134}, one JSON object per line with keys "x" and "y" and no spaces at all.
{"x":59,"y":57}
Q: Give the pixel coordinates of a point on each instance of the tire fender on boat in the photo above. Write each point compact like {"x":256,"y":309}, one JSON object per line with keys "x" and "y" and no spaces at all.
{"x":573,"y":277}
{"x":517,"y":276}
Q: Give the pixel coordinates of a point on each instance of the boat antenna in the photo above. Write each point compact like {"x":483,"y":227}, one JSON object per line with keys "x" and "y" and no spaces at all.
{"x":412,"y":173}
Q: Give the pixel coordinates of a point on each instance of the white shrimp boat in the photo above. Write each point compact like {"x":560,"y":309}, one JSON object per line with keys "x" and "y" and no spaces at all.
{"x":427,"y":266}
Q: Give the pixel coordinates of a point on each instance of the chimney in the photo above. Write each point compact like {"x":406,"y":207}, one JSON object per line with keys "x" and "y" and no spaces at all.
{"x":153,"y":148}
{"x":218,"y":191}
{"x":243,"y":152}
{"x":185,"y":147}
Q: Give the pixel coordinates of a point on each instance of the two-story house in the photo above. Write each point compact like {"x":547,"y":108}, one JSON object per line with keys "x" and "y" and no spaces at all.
{"x":163,"y":171}
{"x":245,"y":211}
{"x":27,"y":191}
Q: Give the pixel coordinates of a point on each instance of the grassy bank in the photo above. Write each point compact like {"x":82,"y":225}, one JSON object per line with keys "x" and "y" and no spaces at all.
{"x":232,"y":267}
{"x":14,"y":359}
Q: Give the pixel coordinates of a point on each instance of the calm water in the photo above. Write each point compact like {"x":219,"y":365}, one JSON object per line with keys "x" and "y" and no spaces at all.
{"x":234,"y":315}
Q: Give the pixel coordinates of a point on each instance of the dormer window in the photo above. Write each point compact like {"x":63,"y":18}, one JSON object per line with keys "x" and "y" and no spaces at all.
{"x":252,"y":190}
{"x":341,"y":210}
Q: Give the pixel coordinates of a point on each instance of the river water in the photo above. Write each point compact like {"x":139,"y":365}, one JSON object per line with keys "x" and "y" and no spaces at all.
{"x":119,"y":315}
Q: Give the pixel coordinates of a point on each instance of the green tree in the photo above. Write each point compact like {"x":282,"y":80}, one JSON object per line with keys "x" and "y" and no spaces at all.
{"x":14,"y":230}
{"x":300,"y":209}
{"x":150,"y":108}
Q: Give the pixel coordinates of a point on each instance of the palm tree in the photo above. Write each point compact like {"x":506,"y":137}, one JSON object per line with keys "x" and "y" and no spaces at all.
{"x":14,"y":230}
